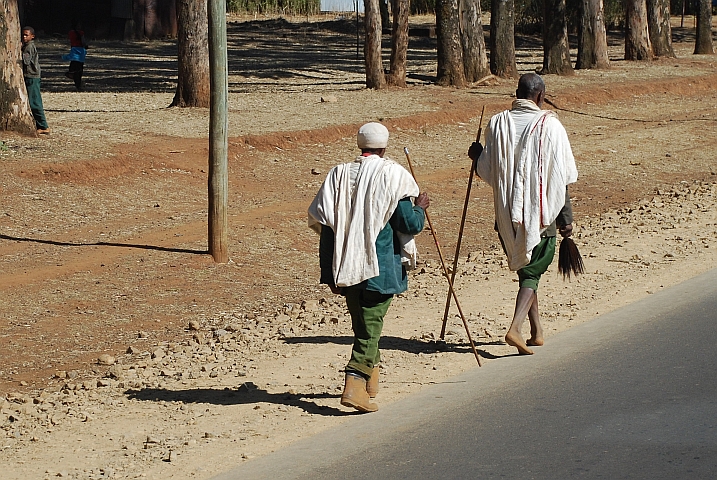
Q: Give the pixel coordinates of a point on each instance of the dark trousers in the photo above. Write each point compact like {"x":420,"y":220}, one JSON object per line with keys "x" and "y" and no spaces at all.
{"x":33,"y":93}
{"x":75,"y":73}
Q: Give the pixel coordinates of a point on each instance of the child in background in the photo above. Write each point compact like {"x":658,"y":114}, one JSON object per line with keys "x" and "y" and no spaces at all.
{"x":76,"y":57}
{"x":31,"y":72}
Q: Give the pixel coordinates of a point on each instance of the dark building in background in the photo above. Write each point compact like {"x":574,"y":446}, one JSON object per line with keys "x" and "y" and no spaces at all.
{"x":117,"y":19}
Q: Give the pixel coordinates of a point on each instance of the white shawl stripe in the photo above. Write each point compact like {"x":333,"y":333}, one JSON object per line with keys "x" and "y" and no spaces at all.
{"x":357,"y":220}
{"x":528,"y":179}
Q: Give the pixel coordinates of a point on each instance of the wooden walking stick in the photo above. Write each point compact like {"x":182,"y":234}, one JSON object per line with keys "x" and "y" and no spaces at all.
{"x":445,"y":270}
{"x":460,"y":231}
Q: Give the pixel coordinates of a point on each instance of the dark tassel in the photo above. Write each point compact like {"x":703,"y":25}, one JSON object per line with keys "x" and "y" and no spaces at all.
{"x":569,"y":260}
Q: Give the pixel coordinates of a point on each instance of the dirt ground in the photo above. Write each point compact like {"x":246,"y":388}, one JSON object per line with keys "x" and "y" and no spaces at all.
{"x":127,"y":352}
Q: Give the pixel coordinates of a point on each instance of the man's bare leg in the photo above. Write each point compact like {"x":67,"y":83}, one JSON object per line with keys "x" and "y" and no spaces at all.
{"x":523,"y":304}
{"x":536,"y":330}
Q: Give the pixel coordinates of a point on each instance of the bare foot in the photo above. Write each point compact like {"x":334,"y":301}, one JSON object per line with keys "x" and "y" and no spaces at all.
{"x":517,"y":342}
{"x":535,"y":341}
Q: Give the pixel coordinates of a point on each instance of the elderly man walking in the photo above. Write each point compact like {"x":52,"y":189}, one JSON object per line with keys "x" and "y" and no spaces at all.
{"x":528,"y":162}
{"x":366,"y":217}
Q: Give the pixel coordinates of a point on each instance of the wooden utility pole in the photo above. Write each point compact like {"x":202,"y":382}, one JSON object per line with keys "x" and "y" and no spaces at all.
{"x":218,"y":126}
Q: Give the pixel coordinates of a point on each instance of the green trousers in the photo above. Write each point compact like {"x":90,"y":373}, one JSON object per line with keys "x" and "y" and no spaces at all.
{"x":540,"y":260}
{"x":33,"y":93}
{"x":367,"y":309}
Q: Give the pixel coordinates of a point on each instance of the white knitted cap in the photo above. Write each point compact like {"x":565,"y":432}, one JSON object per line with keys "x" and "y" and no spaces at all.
{"x":372,"y":135}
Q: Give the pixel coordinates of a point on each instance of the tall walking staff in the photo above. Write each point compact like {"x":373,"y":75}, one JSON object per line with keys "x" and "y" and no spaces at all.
{"x":445,"y":270}
{"x":460,"y":231}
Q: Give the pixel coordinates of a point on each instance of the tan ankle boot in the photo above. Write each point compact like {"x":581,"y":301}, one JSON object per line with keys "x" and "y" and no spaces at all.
{"x":372,"y":384}
{"x":355,"y":395}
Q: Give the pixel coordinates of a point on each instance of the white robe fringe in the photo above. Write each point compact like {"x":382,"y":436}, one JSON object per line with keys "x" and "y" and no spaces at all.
{"x":528,"y":179}
{"x":358,"y":219}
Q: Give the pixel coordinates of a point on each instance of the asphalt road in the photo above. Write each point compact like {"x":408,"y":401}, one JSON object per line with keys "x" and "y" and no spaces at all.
{"x":631,"y":394}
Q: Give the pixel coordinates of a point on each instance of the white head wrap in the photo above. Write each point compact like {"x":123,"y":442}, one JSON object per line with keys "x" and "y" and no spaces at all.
{"x":372,"y":135}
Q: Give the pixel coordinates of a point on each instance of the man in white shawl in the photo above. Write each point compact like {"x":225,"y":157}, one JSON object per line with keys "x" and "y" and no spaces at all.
{"x":366,"y":217}
{"x":528,"y":162}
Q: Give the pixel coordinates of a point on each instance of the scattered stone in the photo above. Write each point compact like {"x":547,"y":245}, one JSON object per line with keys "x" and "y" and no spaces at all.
{"x":315,"y":171}
{"x":158,"y":354}
{"x":142,"y":334}
{"x":115,"y":371}
{"x":194,"y":325}
{"x":220,"y":332}
{"x":329,"y":99}
{"x":132,"y":350}
{"x":310,"y":305}
{"x":106,"y":359}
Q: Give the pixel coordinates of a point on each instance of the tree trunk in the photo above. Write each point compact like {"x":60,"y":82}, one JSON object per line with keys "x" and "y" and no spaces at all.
{"x":193,"y":55}
{"x":375,"y":77}
{"x":450,"y":51}
{"x":399,"y":43}
{"x":502,"y":41}
{"x":475,"y":59}
{"x":592,"y":36}
{"x":658,"y":24}
{"x":703,"y":43}
{"x":15,"y":113}
{"x":637,"y":39}
{"x":556,"y":49}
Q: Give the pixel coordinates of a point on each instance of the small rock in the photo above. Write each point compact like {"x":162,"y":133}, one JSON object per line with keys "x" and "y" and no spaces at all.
{"x":106,"y":359}
{"x":310,"y":305}
{"x":220,"y":332}
{"x":194,"y":325}
{"x":115,"y":371}
{"x":158,"y":353}
{"x":329,"y":99}
{"x":315,"y":171}
{"x":132,"y":350}
{"x":142,"y":335}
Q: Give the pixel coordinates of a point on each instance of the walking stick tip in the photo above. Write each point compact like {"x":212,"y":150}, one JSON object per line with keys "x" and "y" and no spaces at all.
{"x":405,"y":150}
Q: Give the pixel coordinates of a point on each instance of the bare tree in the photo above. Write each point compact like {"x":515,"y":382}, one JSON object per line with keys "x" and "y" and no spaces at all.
{"x":475,"y":58}
{"x":658,"y":24}
{"x":450,"y":51}
{"x":703,"y":43}
{"x":399,"y":43}
{"x":375,"y":77}
{"x":193,"y":54}
{"x":502,"y":41}
{"x":592,"y":36}
{"x":15,"y":113}
{"x":556,"y":49}
{"x":637,"y":39}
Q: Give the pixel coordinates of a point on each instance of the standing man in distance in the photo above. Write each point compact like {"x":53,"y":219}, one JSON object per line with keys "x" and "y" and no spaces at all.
{"x":366,"y":217}
{"x":31,"y":72}
{"x":528,"y":162}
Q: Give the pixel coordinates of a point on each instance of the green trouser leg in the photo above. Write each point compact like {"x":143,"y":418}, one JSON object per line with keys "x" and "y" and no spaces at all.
{"x":367,"y":309}
{"x":33,"y":95}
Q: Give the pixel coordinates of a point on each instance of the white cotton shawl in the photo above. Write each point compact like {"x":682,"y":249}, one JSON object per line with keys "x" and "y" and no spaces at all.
{"x":357,"y":215}
{"x":528,"y":178}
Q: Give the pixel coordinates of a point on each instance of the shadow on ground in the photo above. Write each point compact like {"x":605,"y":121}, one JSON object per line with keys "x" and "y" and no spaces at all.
{"x":246,"y":393}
